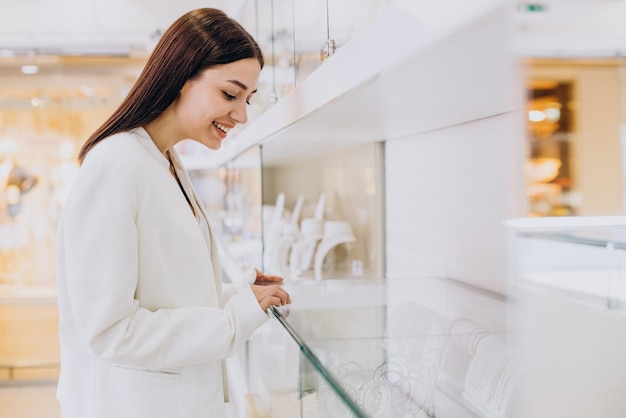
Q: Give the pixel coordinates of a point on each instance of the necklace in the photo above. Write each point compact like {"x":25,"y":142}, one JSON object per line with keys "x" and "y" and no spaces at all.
{"x":180,"y":185}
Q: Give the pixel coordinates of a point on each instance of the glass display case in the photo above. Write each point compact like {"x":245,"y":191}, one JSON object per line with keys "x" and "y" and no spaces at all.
{"x":568,"y":280}
{"x":579,"y":257}
{"x":232,"y":195}
{"x":304,"y":219}
{"x":406,"y":347}
{"x":323,"y":213}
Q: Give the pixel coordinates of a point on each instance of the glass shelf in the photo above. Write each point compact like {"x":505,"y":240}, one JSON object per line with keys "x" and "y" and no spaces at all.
{"x":583,"y":259}
{"x":594,"y":236}
{"x":384,"y":348}
{"x":567,"y":276}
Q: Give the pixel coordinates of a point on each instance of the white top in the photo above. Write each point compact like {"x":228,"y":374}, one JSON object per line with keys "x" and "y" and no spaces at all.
{"x":144,"y":320}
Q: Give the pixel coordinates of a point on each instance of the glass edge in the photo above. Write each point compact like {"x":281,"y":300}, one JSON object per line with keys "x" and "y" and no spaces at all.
{"x":317,"y":364}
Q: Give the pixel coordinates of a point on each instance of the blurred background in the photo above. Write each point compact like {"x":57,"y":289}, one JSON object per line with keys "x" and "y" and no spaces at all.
{"x":478,"y":141}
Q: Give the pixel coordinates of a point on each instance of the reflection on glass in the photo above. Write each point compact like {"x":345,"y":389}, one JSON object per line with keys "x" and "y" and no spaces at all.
{"x":333,"y":398}
{"x":232,"y":196}
{"x":418,"y":347}
{"x":569,"y":282}
{"x":323,"y":217}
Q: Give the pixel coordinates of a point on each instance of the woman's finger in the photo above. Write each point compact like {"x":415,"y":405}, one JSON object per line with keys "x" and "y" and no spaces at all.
{"x":262,"y":278}
{"x":271,"y":295}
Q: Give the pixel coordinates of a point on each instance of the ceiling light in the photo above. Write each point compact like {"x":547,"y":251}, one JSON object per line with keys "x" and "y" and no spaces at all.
{"x":87,"y":91}
{"x":30,"y":69}
{"x":536,"y":116}
{"x":37,"y":102}
{"x":553,"y":114}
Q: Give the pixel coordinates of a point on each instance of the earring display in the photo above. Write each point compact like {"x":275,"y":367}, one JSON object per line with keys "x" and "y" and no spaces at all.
{"x":303,"y":250}
{"x":492,"y":370}
{"x":297,"y":253}
{"x":279,"y":251}
{"x":335,"y":234}
{"x":311,"y":232}
{"x":273,"y":221}
{"x":403,"y":381}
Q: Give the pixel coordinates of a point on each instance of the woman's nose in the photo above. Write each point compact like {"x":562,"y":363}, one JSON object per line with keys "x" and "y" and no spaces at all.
{"x":240,"y":113}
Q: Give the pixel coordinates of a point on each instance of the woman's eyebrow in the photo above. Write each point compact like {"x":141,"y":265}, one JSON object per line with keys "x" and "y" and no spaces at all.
{"x":241,"y":85}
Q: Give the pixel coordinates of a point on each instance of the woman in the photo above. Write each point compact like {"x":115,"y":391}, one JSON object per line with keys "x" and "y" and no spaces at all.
{"x":144,"y":320}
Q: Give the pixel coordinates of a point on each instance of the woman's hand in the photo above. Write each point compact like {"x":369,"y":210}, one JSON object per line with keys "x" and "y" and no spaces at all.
{"x":263,"y":279}
{"x":270,"y":295}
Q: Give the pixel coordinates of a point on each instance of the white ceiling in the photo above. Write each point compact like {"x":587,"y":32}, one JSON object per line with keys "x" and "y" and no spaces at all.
{"x":88,"y":25}
{"x":564,"y":27}
{"x":578,"y":28}
{"x":98,"y":26}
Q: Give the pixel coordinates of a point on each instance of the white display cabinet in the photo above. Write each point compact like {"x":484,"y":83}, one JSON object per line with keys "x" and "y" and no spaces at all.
{"x":333,"y":223}
{"x":403,"y":77}
{"x":581,"y":258}
{"x":306,"y":219}
{"x":410,"y":347}
{"x":568,"y":279}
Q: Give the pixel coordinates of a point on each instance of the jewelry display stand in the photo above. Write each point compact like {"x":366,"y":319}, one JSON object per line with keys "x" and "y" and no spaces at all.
{"x":335,"y":234}
{"x":273,"y":229}
{"x":492,"y":370}
{"x":311,"y":232}
{"x":279,"y":256}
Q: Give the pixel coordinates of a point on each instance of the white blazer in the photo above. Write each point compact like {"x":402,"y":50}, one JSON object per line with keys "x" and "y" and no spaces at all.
{"x":144,"y":320}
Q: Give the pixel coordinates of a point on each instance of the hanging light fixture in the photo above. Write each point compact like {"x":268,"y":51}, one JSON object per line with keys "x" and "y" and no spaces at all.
{"x":273,"y":94}
{"x":330,"y":46}
{"x":293,"y":39}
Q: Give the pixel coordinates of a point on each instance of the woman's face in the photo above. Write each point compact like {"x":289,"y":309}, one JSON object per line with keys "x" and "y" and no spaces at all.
{"x":215,"y":102}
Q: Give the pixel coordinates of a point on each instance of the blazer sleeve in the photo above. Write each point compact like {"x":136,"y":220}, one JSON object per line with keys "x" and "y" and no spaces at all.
{"x":240,"y":283}
{"x":100,"y":254}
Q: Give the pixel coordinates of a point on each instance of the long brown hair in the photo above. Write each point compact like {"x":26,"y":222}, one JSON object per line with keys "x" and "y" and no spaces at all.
{"x":199,"y":39}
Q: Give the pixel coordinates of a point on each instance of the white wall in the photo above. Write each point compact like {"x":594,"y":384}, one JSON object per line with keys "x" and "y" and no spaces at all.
{"x":573,"y":356}
{"x":450,"y":188}
{"x":448,"y":193}
{"x":599,"y":155}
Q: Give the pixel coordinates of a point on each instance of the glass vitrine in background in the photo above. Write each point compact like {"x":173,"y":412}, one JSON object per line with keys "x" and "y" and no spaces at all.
{"x":231,"y":193}
{"x":49,"y":105}
{"x":323,"y":210}
{"x":580,"y":258}
{"x":575,"y":119}
{"x":417,"y":347}
{"x":568,"y":276}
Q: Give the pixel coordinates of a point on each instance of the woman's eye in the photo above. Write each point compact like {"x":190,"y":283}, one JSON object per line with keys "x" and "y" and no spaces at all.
{"x":229,"y":96}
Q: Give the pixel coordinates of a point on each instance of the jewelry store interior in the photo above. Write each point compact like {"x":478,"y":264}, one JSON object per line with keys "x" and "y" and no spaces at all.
{"x":442,"y":191}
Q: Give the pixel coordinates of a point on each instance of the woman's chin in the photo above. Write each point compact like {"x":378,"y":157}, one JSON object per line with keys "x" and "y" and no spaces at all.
{"x":213,"y":144}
